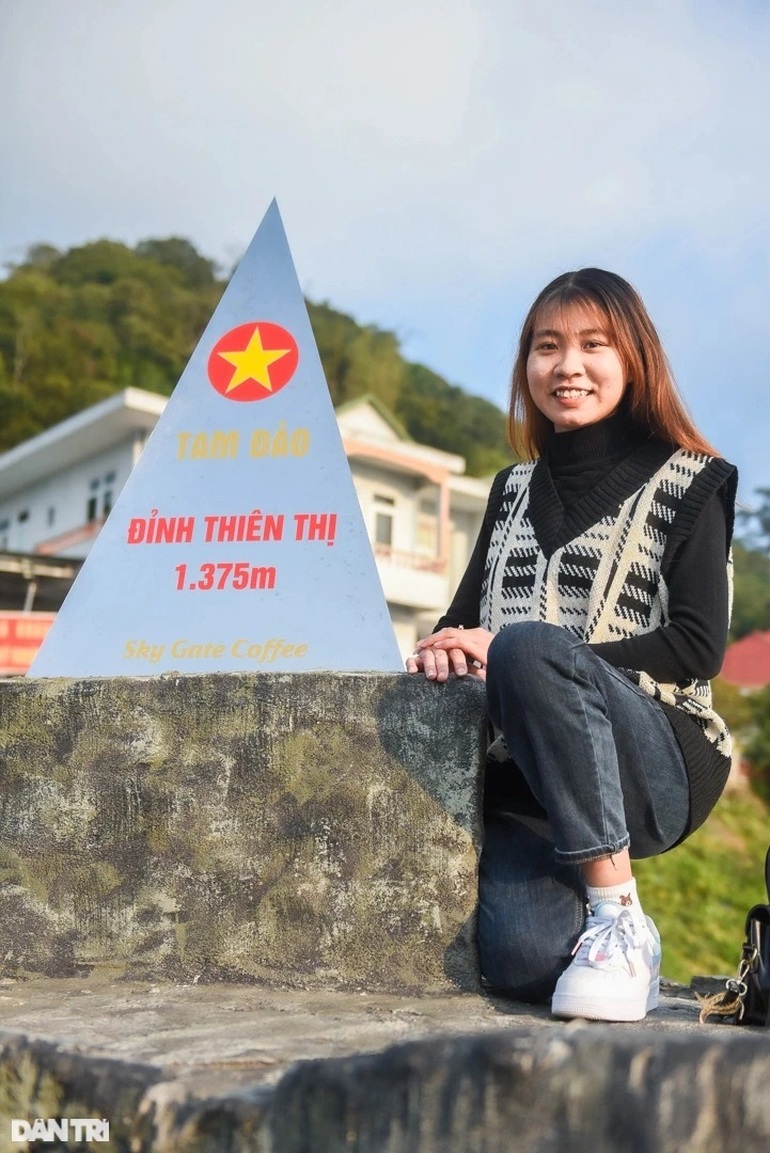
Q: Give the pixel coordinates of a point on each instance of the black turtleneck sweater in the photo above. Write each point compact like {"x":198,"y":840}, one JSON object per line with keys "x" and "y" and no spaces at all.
{"x":692,"y":644}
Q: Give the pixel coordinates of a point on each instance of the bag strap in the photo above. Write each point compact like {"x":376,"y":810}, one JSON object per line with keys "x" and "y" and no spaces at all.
{"x":767,"y":874}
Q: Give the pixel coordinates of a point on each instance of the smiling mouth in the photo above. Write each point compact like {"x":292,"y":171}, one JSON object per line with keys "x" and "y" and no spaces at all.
{"x":571,"y":393}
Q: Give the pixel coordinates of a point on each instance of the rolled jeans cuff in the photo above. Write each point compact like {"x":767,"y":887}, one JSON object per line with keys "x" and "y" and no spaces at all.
{"x":585,"y":856}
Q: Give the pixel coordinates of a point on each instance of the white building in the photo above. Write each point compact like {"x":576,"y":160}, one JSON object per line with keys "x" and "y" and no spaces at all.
{"x":422,"y":513}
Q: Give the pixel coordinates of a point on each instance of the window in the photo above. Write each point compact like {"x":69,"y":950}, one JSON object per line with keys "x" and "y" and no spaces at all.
{"x":4,"y":527}
{"x":384,"y":509}
{"x":426,"y":535}
{"x":50,"y":516}
{"x":23,"y":515}
{"x":102,"y":490}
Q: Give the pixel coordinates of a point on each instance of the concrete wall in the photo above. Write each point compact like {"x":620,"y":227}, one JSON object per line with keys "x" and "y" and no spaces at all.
{"x":584,"y":1090}
{"x":566,"y":1090}
{"x":313,"y":829}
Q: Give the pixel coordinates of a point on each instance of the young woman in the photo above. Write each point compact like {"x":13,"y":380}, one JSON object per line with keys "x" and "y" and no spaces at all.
{"x":595,"y":605}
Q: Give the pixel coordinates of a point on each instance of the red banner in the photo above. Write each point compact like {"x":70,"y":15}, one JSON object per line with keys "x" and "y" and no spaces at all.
{"x":21,"y":635}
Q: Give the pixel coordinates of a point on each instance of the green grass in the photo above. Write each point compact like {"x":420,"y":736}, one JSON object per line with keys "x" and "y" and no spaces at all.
{"x":699,"y":893}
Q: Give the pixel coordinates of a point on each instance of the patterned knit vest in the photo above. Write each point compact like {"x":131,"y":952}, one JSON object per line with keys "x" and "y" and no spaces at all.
{"x":607,"y":583}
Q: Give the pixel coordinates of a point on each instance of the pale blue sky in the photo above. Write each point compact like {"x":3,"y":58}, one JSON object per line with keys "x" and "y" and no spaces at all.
{"x":435,"y":162}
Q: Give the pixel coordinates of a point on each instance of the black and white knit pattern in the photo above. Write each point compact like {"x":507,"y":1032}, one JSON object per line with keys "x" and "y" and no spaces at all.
{"x":605,"y":584}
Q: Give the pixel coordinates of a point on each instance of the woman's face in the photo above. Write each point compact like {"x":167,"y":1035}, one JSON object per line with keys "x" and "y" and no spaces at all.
{"x":574,"y":373}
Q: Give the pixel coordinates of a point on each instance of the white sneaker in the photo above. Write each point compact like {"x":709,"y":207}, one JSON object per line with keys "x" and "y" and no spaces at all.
{"x":615,"y":971}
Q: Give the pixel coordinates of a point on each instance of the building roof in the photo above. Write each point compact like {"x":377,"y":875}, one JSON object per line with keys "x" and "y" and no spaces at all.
{"x":747,"y":662}
{"x":369,"y":430}
{"x":93,"y":430}
{"x":374,"y":402}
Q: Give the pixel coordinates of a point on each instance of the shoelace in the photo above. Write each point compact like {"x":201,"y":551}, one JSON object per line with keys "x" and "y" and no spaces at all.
{"x":604,"y":939}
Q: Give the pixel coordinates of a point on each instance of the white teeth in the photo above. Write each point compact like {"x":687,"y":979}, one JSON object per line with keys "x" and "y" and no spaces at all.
{"x":571,"y":393}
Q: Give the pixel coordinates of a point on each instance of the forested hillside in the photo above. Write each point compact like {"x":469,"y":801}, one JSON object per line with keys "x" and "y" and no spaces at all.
{"x":78,"y":326}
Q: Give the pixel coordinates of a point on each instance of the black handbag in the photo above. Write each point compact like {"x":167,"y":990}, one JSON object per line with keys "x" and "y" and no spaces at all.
{"x":746,"y":998}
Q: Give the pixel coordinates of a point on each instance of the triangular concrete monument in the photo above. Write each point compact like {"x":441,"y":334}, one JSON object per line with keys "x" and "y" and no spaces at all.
{"x":237,"y":543}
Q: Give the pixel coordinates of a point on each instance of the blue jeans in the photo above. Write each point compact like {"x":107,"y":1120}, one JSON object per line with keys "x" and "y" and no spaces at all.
{"x":595,"y":768}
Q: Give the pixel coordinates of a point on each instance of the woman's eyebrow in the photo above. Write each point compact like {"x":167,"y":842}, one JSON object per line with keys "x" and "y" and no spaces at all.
{"x":582,"y":332}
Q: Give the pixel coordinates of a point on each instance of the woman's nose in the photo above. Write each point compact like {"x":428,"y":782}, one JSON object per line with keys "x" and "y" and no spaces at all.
{"x":570,"y":362}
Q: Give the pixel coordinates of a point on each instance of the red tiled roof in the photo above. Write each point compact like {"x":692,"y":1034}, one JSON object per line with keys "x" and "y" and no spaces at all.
{"x":747,"y":662}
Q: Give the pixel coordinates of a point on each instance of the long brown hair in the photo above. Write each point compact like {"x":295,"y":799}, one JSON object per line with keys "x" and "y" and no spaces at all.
{"x":651,"y":394}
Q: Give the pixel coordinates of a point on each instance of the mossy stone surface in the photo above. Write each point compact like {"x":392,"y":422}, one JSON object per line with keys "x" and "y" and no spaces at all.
{"x":307,"y":829}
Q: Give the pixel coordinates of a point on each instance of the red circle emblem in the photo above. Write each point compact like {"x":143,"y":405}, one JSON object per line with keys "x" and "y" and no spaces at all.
{"x":253,"y":361}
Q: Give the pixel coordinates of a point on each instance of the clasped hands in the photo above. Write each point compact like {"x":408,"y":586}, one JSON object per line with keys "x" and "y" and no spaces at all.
{"x":453,"y":650}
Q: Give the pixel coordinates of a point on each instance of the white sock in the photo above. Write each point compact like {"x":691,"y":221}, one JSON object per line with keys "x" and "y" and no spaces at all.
{"x":623,"y":894}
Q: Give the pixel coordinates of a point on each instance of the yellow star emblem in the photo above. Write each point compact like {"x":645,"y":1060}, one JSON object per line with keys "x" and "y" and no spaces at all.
{"x":253,"y":362}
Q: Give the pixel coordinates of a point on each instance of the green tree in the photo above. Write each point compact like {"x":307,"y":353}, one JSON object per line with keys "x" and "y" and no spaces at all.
{"x":101,"y":262}
{"x":732,"y":704}
{"x":751,"y":604}
{"x":755,"y":523}
{"x":751,"y":553}
{"x":445,"y":416}
{"x":176,"y":252}
{"x":357,"y":360}
{"x":757,"y":748}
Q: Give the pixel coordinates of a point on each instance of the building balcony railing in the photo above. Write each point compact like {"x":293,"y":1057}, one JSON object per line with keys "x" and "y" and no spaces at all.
{"x":410,"y":560}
